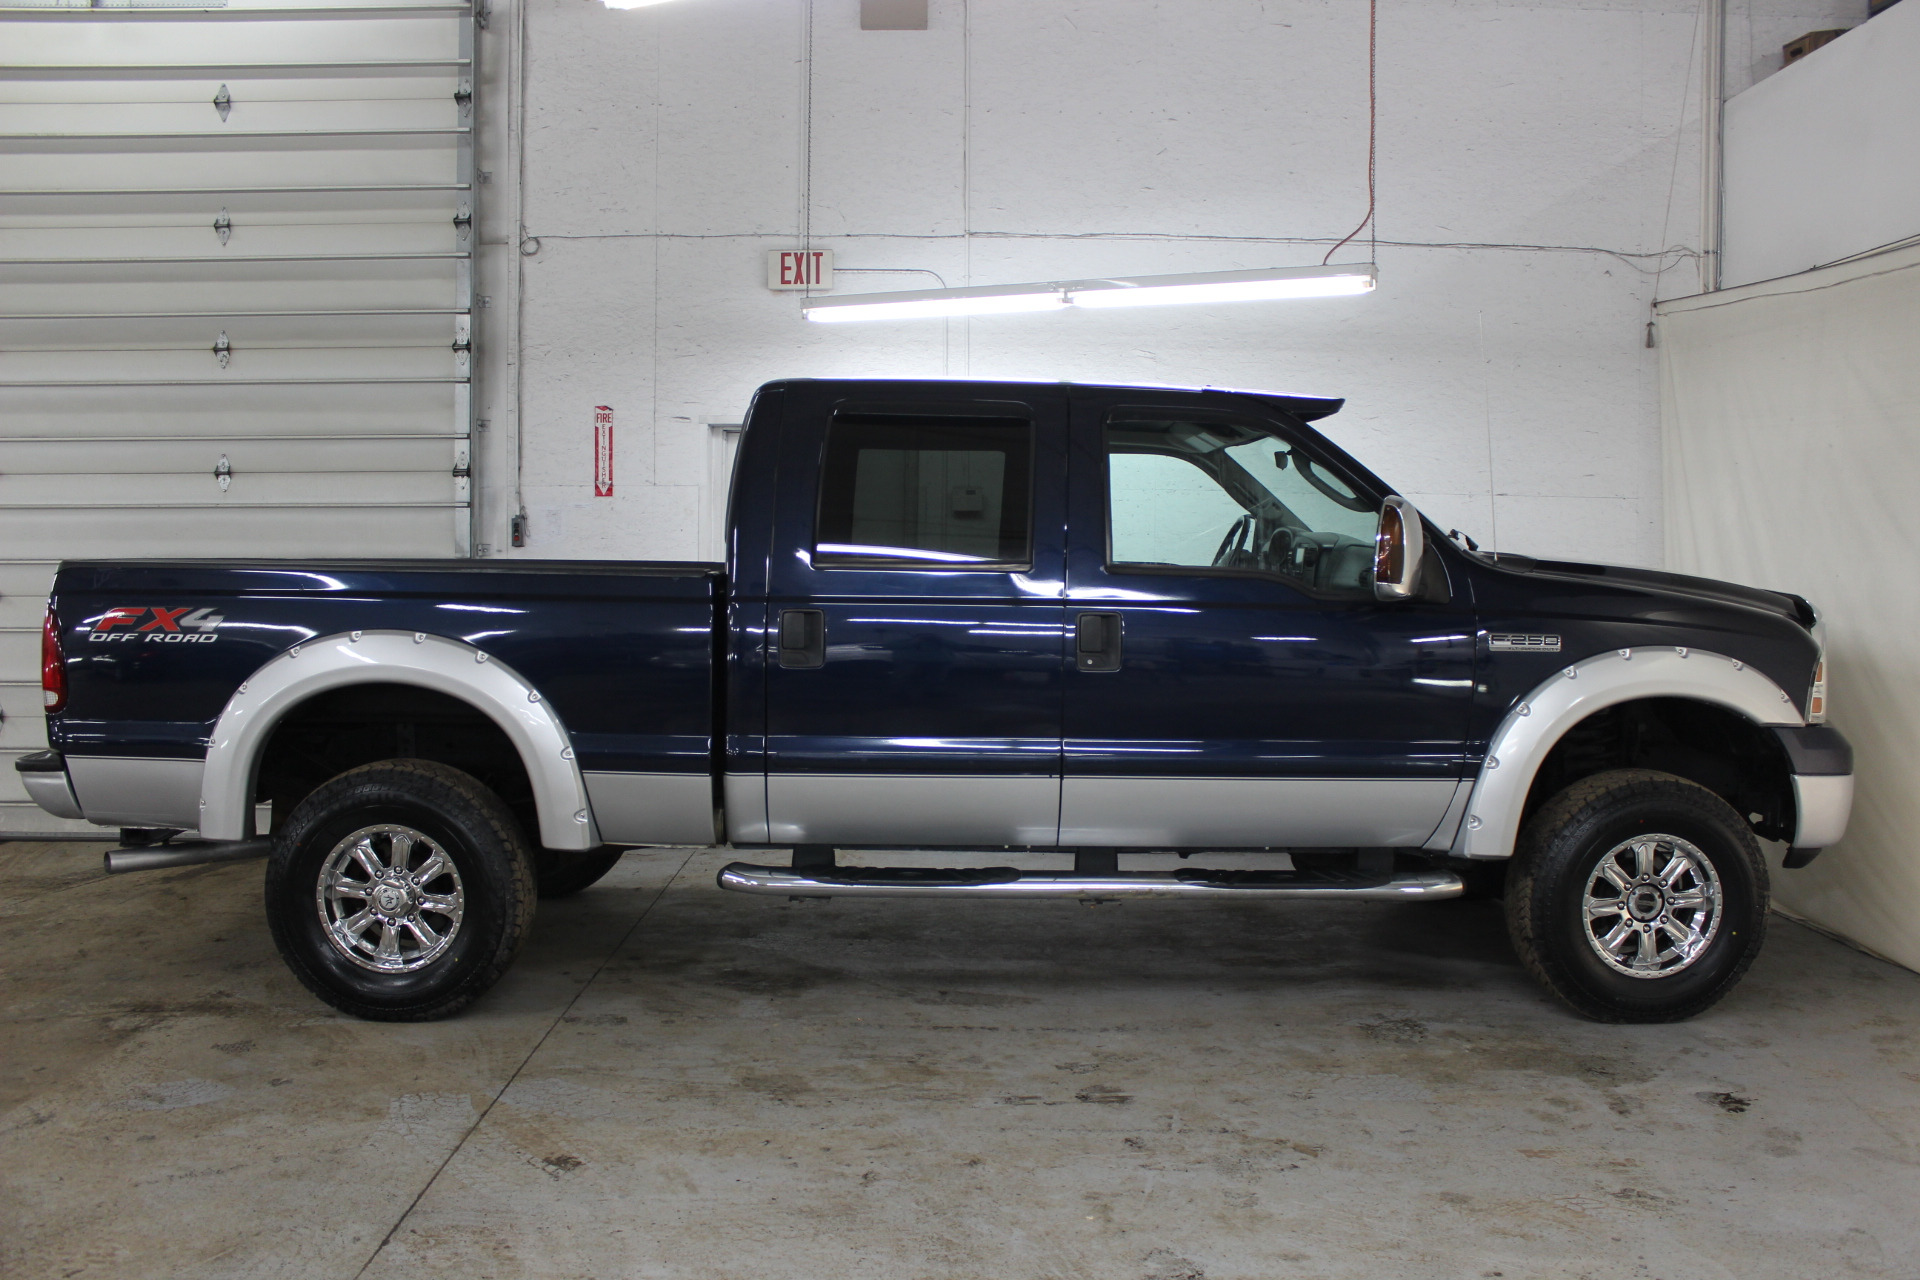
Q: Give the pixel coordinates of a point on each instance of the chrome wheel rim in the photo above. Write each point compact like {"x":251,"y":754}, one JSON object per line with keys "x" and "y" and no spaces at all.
{"x":1652,"y":906}
{"x":390,"y":899}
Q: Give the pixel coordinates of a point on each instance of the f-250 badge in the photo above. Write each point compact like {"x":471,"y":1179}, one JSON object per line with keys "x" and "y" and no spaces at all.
{"x":1507,"y":642}
{"x":164,"y":626}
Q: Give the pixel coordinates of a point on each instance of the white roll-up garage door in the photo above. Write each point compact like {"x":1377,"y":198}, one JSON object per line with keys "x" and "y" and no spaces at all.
{"x":235,"y":296}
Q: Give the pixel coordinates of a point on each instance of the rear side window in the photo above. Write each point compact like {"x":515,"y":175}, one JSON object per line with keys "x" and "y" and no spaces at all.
{"x":926,"y":491}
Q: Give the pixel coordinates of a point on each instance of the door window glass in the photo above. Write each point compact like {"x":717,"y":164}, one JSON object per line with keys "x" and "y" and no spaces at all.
{"x":925,"y":490}
{"x":1232,"y":494}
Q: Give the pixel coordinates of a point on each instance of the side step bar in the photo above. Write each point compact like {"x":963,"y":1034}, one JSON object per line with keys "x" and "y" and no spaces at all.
{"x":1010,"y":882}
{"x":185,"y":853}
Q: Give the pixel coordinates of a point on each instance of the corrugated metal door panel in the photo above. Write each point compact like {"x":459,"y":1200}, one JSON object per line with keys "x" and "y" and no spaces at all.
{"x":416,"y":530}
{"x":164,"y":490}
{"x":182,"y":124}
{"x":94,"y":88}
{"x":230,"y":285}
{"x":422,"y":328}
{"x":248,"y":360}
{"x":133,"y":43}
{"x":246,"y":410}
{"x":263,"y":163}
{"x":20,"y":650}
{"x":199,"y":456}
{"x":21,"y":728}
{"x":185,"y":234}
{"x":234,"y":243}
{"x":152,"y":204}
{"x":23,"y":596}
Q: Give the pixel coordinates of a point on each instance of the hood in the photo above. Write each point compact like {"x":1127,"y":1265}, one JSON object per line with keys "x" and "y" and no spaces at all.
{"x":1782,"y":603}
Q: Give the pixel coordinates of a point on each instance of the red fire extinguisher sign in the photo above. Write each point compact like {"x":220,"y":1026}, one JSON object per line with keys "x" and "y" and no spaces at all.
{"x":602,"y":451}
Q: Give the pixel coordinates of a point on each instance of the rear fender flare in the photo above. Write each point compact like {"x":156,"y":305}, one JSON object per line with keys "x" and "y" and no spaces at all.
{"x":394,"y":657}
{"x":1538,"y":721}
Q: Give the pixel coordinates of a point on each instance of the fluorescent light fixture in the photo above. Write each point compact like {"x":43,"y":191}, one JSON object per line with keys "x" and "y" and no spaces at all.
{"x":630,"y":4}
{"x":988,"y":300}
{"x":1228,"y":286}
{"x":1117,"y":291}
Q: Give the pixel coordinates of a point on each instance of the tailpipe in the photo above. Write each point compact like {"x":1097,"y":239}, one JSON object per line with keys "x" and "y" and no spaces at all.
{"x":185,"y":853}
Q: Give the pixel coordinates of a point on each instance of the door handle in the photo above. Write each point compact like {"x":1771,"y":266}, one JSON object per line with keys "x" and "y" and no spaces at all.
{"x":803,"y":638}
{"x":1096,"y":642}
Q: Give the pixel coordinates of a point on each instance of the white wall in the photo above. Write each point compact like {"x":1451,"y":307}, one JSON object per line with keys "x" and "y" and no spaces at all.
{"x":1499,"y":375}
{"x":1823,"y":160}
{"x":1791,"y":411}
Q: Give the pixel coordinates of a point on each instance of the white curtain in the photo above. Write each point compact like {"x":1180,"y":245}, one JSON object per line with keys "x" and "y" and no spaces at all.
{"x":1791,"y":426}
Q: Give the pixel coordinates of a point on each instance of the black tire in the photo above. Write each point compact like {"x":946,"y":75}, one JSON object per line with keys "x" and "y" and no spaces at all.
{"x":1559,"y":857}
{"x":561,"y":874}
{"x":491,"y":881}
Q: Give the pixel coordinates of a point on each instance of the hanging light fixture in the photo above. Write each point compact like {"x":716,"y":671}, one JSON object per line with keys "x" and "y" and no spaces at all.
{"x":1116,"y":291}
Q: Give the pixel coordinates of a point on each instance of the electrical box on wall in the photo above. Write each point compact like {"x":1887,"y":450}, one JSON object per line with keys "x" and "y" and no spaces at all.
{"x":893,"y":15}
{"x":810,"y":269}
{"x":1794,"y":50}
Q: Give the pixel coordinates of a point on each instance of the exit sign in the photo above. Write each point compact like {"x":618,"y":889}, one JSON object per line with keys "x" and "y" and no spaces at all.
{"x":800,"y":269}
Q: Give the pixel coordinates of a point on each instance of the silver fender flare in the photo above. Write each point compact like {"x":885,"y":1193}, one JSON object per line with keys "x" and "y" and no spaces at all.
{"x":1538,"y":721}
{"x":394,"y":657}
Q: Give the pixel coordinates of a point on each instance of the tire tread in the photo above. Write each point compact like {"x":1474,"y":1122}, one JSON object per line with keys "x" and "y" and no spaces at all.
{"x":432,"y":782}
{"x":1582,"y":801}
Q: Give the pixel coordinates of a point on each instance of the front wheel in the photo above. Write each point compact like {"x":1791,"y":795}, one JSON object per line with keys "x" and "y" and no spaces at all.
{"x":1637,"y":896}
{"x":400,"y":891}
{"x":560,"y":875}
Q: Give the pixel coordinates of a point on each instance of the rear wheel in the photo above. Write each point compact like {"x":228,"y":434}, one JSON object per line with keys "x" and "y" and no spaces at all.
{"x":400,"y":891}
{"x":1637,"y":896}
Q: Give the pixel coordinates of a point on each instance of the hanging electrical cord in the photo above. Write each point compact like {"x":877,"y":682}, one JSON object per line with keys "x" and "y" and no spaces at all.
{"x":806,"y":132}
{"x":1373,"y":122}
{"x":1673,"y":173}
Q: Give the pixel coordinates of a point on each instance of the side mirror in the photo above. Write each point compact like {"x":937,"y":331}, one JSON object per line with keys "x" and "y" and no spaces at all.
{"x":1397,"y":549}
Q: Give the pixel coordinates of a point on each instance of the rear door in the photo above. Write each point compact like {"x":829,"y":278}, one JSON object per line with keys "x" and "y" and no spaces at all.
{"x":916,"y":654}
{"x":1235,"y":684}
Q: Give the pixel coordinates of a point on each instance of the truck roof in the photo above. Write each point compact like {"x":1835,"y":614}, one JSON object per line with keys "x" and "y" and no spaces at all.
{"x":1306,"y":408}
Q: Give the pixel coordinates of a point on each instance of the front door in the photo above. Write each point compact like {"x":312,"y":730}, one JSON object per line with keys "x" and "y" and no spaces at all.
{"x":1235,"y":683}
{"x":916,"y":656}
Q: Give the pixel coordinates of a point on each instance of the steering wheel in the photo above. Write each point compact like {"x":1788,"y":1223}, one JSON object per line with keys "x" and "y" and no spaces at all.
{"x":1234,"y":541}
{"x":1278,"y":556}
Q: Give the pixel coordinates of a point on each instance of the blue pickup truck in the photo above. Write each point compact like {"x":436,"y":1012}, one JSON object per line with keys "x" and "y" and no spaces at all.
{"x":1000,"y":619}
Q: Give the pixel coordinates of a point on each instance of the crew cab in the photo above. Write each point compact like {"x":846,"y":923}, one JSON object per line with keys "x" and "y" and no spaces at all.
{"x":1004,"y":620}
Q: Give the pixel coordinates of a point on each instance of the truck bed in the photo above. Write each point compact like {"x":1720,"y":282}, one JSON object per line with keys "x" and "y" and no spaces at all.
{"x":624,"y":652}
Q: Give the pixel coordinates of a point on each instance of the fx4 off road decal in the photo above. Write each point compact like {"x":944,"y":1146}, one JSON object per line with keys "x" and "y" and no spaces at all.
{"x":139,"y":624}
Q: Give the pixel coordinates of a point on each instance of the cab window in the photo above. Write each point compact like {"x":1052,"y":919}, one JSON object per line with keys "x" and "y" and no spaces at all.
{"x":1233,"y":495}
{"x":925,"y":492}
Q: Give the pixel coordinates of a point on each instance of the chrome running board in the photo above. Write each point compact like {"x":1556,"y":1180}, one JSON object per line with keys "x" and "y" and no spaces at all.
{"x":1010,"y":882}
{"x":185,"y":853}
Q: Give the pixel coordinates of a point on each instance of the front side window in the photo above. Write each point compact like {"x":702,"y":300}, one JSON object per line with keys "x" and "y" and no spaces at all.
{"x":1233,"y":494}
{"x":925,"y":491}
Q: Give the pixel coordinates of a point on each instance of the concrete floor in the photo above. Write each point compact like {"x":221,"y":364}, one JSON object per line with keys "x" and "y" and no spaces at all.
{"x":676,"y":1082}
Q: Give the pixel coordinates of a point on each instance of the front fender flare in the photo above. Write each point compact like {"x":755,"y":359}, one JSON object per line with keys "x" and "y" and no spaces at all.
{"x":1538,"y":721}
{"x":394,"y":657}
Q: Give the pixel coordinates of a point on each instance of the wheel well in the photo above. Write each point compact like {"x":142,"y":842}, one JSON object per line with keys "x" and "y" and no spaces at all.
{"x":1722,"y":750}
{"x":341,"y":729}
